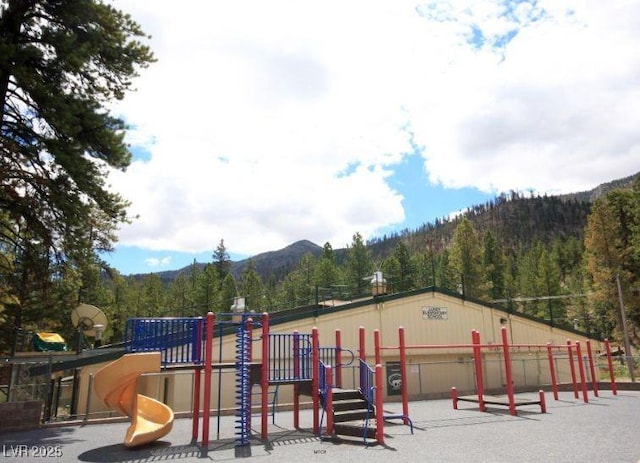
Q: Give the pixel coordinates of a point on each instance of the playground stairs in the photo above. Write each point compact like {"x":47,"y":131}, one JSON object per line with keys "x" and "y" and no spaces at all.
{"x":351,"y":412}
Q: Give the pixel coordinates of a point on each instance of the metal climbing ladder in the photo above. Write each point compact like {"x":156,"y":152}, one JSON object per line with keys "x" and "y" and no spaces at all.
{"x":243,"y":387}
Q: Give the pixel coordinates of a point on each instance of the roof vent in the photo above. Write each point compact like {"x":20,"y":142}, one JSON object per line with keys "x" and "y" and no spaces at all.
{"x":238,"y":308}
{"x":378,"y":284}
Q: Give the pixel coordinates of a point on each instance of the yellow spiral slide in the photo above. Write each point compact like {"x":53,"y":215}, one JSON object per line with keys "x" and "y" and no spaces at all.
{"x":117,"y":385}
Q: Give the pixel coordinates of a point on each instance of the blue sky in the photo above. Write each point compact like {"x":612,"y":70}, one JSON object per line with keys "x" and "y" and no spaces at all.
{"x":422,"y":203}
{"x":264,"y":123}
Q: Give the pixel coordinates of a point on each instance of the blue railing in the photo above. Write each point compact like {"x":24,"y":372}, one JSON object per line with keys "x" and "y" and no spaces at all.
{"x":180,"y":340}
{"x":322,"y":379}
{"x":289,"y":357}
{"x":367,"y":381}
{"x":328,"y":355}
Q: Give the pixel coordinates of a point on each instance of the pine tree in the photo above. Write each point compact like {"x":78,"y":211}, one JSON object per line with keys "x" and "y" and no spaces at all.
{"x":152,"y":297}
{"x":466,"y":259}
{"x":391,"y":270}
{"x":181,"y":297}
{"x":423,"y":264}
{"x":404,"y":276}
{"x":207,"y":294}
{"x":611,"y":255}
{"x":358,"y":265}
{"x":252,"y":287}
{"x":61,"y":64}
{"x":493,"y":266}
{"x":326,"y":270}
{"x":447,"y":277}
{"x":221,"y":260}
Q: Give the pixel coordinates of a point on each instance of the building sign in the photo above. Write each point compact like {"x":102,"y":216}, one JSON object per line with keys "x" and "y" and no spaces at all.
{"x":435,"y":313}
{"x":394,"y":378}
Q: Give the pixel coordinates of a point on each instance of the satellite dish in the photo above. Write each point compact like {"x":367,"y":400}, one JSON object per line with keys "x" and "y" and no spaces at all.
{"x":89,"y":319}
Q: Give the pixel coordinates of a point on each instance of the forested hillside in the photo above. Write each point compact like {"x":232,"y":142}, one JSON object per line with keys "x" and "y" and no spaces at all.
{"x":558,"y":258}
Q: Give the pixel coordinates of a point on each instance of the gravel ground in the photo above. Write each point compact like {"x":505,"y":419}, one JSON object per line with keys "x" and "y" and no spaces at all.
{"x":604,"y":430}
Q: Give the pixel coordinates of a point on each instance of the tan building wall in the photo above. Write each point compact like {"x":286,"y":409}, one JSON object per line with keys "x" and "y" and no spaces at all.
{"x":428,"y":318}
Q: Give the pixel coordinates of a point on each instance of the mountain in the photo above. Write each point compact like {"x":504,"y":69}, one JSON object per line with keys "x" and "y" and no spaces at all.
{"x":276,"y":263}
{"x":603,"y":189}
{"x":515,"y":219}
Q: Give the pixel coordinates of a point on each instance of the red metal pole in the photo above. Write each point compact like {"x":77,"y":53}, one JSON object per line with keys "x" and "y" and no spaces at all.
{"x":196,"y":405}
{"x":403,"y":374}
{"x":612,"y":375}
{"x":296,"y":374}
{"x":338,"y":358}
{"x":379,"y":406}
{"x":376,"y":345}
{"x":543,"y":403}
{"x":361,"y":354}
{"x":315,"y":380}
{"x":507,"y":368}
{"x":592,"y":370}
{"x":583,"y":382}
{"x":264,"y":377}
{"x":477,"y":359}
{"x":206,"y":413}
{"x":552,"y":370}
{"x":329,"y":399}
{"x":572,"y":369}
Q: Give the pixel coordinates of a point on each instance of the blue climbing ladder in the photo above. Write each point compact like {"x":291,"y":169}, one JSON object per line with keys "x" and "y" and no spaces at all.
{"x":243,"y":387}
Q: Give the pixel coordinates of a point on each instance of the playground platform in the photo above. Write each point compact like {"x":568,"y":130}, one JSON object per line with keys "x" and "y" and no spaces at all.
{"x":604,"y":430}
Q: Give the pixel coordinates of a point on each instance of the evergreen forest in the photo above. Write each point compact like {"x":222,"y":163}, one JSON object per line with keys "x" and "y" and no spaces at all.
{"x":564,"y":260}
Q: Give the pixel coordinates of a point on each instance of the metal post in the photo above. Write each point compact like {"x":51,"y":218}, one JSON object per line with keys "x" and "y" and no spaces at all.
{"x":477,"y":358}
{"x":338,"y":358}
{"x":74,"y":394}
{"x":592,"y":369}
{"x":583,"y":382}
{"x":47,"y":413}
{"x":86,"y":410}
{"x":315,"y":380}
{"x":543,"y":403}
{"x":379,"y":406}
{"x":376,"y":346}
{"x":49,"y":406}
{"x":552,"y":371}
{"x":296,"y":375}
{"x":625,"y":333}
{"x":57,"y":396}
{"x":507,"y":368}
{"x":612,"y":374}
{"x":264,"y":379}
{"x":403,"y":374}
{"x":206,"y":412}
{"x":196,"y":404}
{"x":329,"y":399}
{"x":572,"y":369}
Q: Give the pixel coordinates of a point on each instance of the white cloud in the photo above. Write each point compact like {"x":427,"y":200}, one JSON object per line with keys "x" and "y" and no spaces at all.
{"x":158,"y":261}
{"x":269,"y":122}
{"x":556,"y":113}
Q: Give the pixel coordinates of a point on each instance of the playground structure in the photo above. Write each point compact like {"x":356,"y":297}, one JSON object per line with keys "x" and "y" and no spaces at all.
{"x":116,"y":384}
{"x":187,"y":343}
{"x":293,"y":359}
{"x":574,"y":355}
